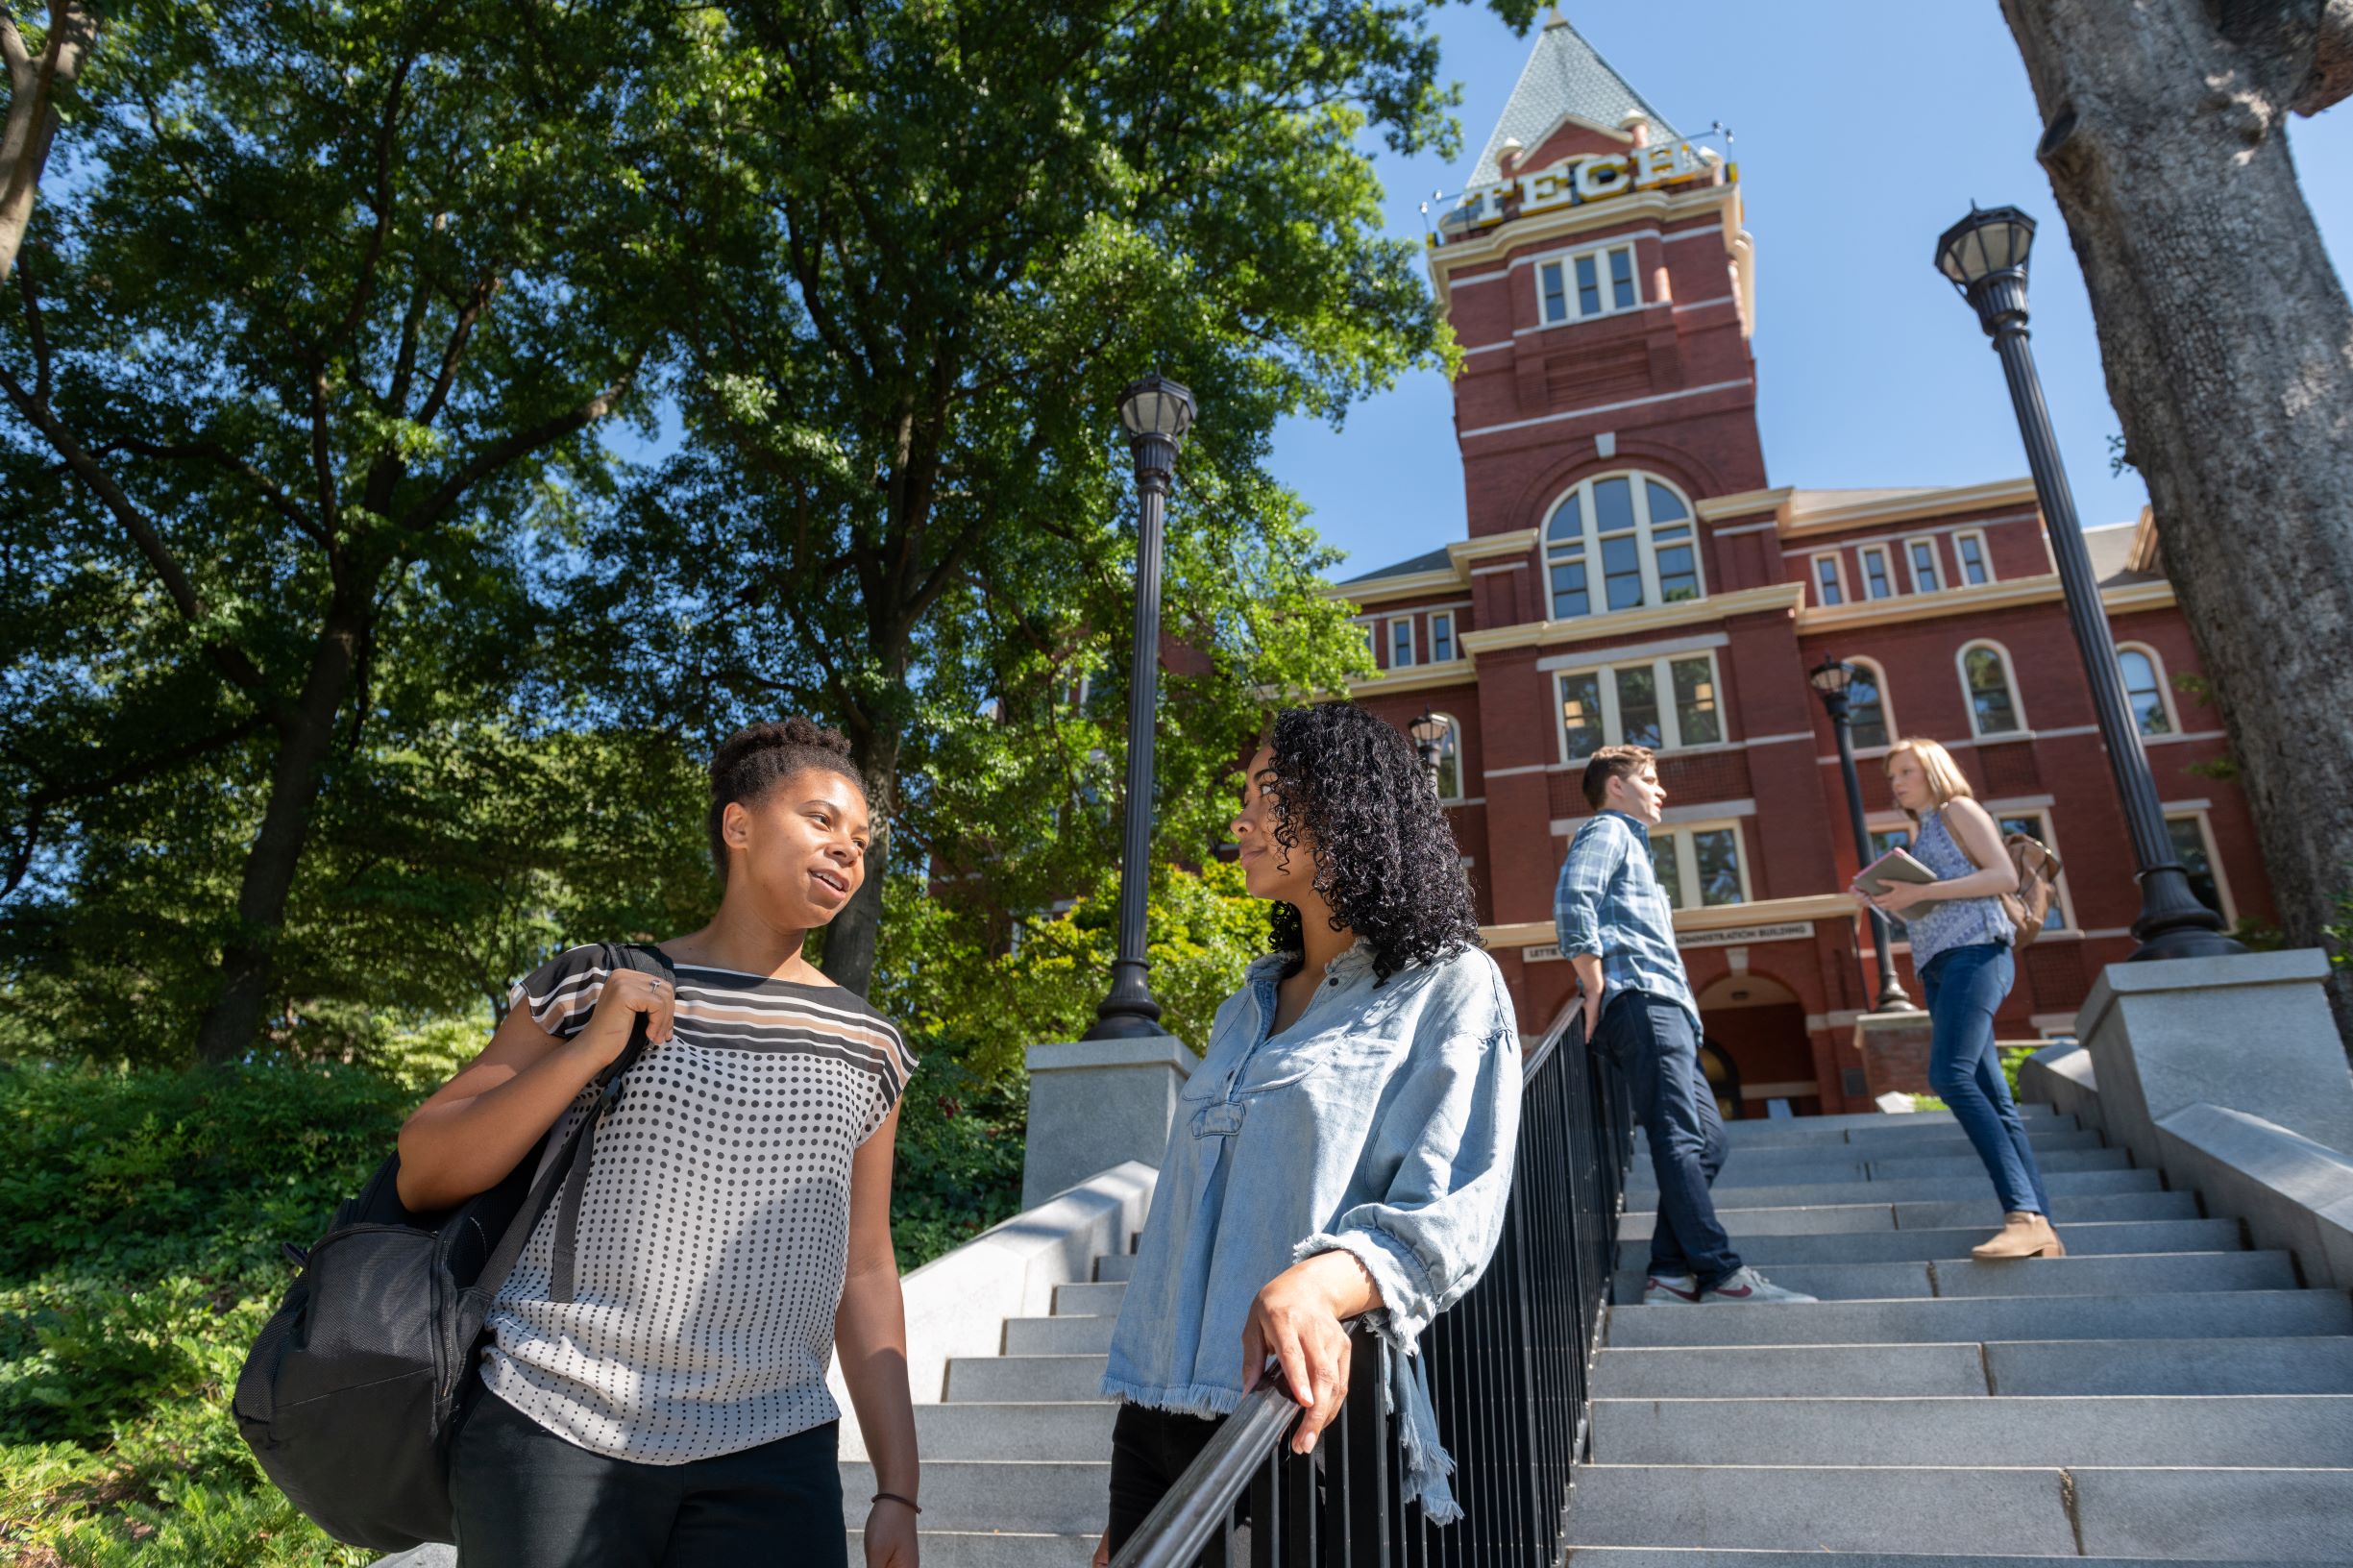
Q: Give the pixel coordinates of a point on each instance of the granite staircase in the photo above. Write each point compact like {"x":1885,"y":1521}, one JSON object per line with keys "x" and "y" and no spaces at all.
{"x":2159,"y":1394}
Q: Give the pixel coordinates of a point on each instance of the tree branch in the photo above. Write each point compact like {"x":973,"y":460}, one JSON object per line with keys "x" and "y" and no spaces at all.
{"x":365,"y":289}
{"x":2331,"y":78}
{"x":206,"y":451}
{"x":455,"y":351}
{"x":521,"y":444}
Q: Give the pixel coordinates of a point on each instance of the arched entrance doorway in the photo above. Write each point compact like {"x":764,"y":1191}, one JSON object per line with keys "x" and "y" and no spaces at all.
{"x":1758,"y":1026}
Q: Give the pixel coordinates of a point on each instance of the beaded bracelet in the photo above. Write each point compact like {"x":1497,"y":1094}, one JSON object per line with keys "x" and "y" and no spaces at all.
{"x":894,"y":1496}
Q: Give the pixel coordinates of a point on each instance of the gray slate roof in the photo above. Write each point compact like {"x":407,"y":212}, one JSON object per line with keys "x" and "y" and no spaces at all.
{"x":1434,"y":561}
{"x":1563,"y":76}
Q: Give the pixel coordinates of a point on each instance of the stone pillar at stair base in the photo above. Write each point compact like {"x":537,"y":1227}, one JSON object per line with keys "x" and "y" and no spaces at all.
{"x":1895,"y":1050}
{"x":2251,"y":1032}
{"x":1097,"y":1103}
{"x":2061,"y":1076}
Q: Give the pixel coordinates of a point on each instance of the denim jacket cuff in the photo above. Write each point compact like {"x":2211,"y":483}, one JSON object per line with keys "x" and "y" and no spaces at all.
{"x":1407,"y":1291}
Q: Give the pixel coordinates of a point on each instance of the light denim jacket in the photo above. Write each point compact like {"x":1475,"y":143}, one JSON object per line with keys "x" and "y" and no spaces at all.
{"x":1380,"y":1123}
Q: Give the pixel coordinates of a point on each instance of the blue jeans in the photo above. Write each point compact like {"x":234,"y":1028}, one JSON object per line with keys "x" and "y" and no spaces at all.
{"x":1965,"y":986}
{"x":1653,"y":1042}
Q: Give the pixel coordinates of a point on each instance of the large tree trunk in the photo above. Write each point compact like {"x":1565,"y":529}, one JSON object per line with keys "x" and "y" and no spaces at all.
{"x":35,"y":83}
{"x":2229,"y":351}
{"x":854,"y":937}
{"x":307,"y":738}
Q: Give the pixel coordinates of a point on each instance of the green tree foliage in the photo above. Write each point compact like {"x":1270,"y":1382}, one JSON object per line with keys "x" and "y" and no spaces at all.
{"x":304,"y":352}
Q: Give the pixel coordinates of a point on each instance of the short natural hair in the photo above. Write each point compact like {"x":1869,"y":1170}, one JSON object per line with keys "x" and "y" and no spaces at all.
{"x":1613,"y":761}
{"x":758,"y":757}
{"x":1943,"y":774}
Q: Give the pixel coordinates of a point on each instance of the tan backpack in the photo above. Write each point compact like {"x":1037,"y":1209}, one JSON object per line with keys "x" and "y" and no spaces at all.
{"x":2037,"y":882}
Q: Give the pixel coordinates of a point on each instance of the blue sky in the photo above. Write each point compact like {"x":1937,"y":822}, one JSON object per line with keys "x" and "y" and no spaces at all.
{"x":1862,"y":130}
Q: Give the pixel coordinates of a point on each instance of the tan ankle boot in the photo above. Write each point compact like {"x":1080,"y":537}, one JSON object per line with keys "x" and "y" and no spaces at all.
{"x":2022,"y":1236}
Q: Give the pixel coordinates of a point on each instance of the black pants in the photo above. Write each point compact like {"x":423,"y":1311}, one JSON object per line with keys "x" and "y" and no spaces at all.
{"x":1149,"y":1449}
{"x":525,"y":1498}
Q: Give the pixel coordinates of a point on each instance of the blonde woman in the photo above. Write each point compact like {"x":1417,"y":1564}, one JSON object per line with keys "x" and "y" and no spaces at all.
{"x":1960,"y":950}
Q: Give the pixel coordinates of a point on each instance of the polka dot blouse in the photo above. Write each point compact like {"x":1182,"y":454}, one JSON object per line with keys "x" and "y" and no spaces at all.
{"x":714,"y":1231}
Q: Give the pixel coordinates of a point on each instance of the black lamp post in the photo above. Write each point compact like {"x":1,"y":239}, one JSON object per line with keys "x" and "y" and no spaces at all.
{"x":1430,"y":736}
{"x":1156,"y":412}
{"x":1985,"y":257}
{"x":1830,"y":679}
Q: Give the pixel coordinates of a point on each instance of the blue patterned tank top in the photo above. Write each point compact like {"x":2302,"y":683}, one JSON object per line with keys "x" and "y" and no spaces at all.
{"x":1939,"y":925}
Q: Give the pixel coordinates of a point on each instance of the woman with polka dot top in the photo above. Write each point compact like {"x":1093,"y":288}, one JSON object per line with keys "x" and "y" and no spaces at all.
{"x":654,"y":1392}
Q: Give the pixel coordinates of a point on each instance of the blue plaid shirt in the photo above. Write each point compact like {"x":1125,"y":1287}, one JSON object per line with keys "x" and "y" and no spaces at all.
{"x":1610,"y":902}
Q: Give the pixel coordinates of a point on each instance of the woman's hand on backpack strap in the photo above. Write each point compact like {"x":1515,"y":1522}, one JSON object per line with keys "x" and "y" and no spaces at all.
{"x":626,"y":993}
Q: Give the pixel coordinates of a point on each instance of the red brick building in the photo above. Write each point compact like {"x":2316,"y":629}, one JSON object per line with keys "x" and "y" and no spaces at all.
{"x":1632,"y":573}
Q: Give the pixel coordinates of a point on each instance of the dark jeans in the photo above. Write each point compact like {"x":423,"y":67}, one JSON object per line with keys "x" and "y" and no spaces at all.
{"x":525,"y":1498}
{"x":1149,"y":1449}
{"x":1654,"y":1044}
{"x":1965,"y":987}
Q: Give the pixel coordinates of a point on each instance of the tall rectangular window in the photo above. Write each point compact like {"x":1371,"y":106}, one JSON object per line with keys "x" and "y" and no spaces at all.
{"x":1555,"y":296}
{"x":1638,"y":705}
{"x":1829,"y":584}
{"x":1588,"y":287}
{"x":2188,"y":838}
{"x":1622,"y":278}
{"x":1581,"y":713}
{"x":1699,"y":867}
{"x":1694,"y":702}
{"x":1667,"y":862}
{"x":1715,"y":856}
{"x":1401,"y":642}
{"x":1925,"y":579}
{"x":1442,"y":637}
{"x":1877,"y":583}
{"x":1598,"y":283}
{"x":1970,"y":549}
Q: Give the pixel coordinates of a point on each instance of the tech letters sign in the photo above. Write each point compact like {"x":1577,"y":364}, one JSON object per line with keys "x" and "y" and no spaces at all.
{"x":1590,"y":177}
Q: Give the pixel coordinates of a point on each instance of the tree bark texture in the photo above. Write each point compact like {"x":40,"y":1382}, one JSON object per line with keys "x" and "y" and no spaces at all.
{"x":35,"y":83}
{"x":2228,"y":345}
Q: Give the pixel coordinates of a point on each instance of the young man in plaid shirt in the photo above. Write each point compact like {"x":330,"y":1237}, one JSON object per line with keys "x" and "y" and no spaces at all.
{"x":1617,"y":927}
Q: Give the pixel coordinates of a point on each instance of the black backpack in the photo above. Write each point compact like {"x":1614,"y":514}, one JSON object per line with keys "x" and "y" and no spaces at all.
{"x":349,"y":1394}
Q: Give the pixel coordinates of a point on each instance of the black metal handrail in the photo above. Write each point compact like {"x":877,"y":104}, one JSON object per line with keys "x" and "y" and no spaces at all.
{"x":1507,"y":1370}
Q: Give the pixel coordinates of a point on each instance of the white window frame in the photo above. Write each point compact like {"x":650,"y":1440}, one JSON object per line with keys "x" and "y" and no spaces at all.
{"x":1670,"y":720}
{"x":1453,"y":648}
{"x":1887,"y":572}
{"x":2213,"y":860}
{"x":1412,"y":650}
{"x":2049,"y":837}
{"x":1887,"y":706}
{"x":1452,"y":743}
{"x":1960,"y":562}
{"x":1911,"y":563}
{"x":2165,"y":685}
{"x":1838,"y":573}
{"x":1687,"y":860}
{"x":1646,"y":548}
{"x":1564,"y":267}
{"x":1372,"y":638}
{"x":1968,"y":695}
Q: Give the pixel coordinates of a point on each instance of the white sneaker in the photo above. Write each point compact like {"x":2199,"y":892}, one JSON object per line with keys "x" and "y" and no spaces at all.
{"x":1671,"y":1290}
{"x":1746,"y":1285}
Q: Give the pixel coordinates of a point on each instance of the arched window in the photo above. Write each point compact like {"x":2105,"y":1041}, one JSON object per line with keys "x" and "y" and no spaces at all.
{"x":1994,"y":708}
{"x":1867,"y":711}
{"x":2145,"y":689}
{"x":1449,"y":758}
{"x":1619,"y":542}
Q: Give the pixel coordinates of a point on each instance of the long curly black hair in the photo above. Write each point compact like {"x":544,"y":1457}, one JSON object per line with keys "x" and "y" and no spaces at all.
{"x":1385,"y":859}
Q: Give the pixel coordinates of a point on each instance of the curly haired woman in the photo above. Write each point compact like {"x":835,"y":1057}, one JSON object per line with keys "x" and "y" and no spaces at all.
{"x":1346,"y":1144}
{"x":657,"y":1395}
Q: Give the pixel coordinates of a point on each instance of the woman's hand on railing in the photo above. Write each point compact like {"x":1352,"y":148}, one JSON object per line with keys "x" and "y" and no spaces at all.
{"x":1299,"y":1319}
{"x":1102,"y":1550}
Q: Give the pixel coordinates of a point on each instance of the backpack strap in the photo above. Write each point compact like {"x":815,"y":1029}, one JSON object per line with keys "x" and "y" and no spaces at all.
{"x":564,"y":1265}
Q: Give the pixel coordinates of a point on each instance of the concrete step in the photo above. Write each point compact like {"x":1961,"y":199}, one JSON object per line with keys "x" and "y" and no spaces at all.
{"x":2246,"y":1430}
{"x":2063,"y":1186}
{"x":1087,"y":1300}
{"x":992,"y":1549}
{"x":2220,"y":1314}
{"x":1807,"y":1129}
{"x":1983,"y":1213}
{"x":1066,"y":1429}
{"x":1001,"y":1377}
{"x":1052,"y":1497}
{"x":2237,"y":1515}
{"x":2006,"y":1369}
{"x":1116,"y":1265}
{"x":2147,"y":1272}
{"x":1059,"y":1335}
{"x":2045,"y":1132}
{"x":1887,"y":1246}
{"x":1742,"y":1170}
{"x":1646,"y":1556}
